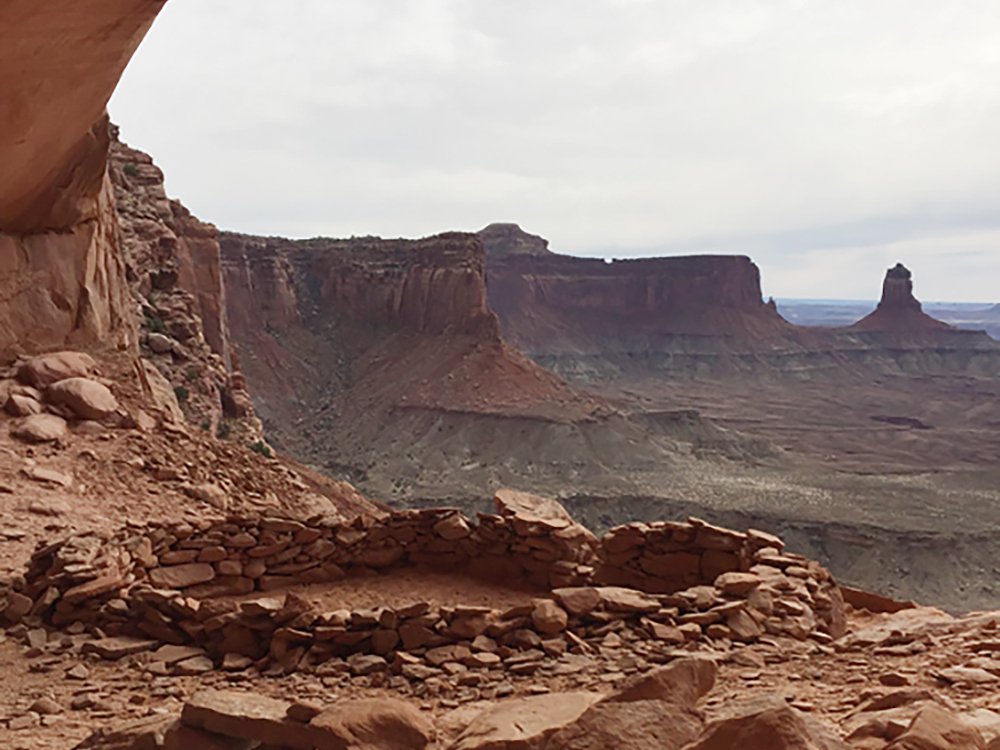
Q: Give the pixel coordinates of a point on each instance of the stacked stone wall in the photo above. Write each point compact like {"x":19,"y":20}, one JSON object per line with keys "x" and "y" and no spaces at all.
{"x":225,"y":587}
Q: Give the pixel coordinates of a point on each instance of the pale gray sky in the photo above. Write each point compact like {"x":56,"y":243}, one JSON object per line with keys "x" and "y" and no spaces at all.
{"x":825,"y":139}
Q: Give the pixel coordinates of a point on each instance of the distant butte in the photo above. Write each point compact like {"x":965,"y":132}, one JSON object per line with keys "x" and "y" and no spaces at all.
{"x":899,"y":311}
{"x":503,"y":239}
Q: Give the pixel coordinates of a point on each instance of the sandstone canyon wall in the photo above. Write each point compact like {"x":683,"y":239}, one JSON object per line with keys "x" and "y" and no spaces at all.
{"x":90,"y":246}
{"x":380,"y":361}
{"x":702,"y":317}
{"x":61,"y":268}
{"x":582,"y":304}
{"x":174,"y":274}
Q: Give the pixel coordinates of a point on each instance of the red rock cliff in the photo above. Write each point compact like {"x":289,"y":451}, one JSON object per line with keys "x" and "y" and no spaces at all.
{"x":431,"y":286}
{"x":61,"y":269}
{"x":552,"y":301}
{"x":173,"y":268}
{"x":166,"y":247}
{"x":336,"y":335}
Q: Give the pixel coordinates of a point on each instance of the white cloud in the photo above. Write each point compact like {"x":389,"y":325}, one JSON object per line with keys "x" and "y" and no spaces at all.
{"x":805,"y":133}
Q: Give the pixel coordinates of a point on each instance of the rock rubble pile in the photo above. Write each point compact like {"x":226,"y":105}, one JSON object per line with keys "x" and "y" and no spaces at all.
{"x":49,"y":391}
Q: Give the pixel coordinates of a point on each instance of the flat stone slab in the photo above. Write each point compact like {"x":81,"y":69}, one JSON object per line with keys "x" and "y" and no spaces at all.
{"x":181,"y":576}
{"x":116,"y":648}
{"x":255,"y":717}
{"x":172,"y":654}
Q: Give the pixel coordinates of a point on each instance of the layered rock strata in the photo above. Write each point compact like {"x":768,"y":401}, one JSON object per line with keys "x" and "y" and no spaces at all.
{"x":504,"y":239}
{"x":61,"y":267}
{"x":558,"y":302}
{"x":598,"y":322}
{"x":364,"y":355}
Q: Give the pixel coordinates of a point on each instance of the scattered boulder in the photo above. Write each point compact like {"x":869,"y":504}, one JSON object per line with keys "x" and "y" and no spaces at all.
{"x":115,"y":648}
{"x":41,"y":428}
{"x":653,"y":712}
{"x":579,"y":600}
{"x":934,"y":728}
{"x":860,"y":599}
{"x":159,"y":343}
{"x":524,"y":723}
{"x":618,"y":599}
{"x":47,"y":476}
{"x":966,"y":676}
{"x":87,"y":399}
{"x":639,"y":725}
{"x":181,"y":576}
{"x":161,"y":392}
{"x":149,"y":732}
{"x":531,"y":507}
{"x":767,"y":723}
{"x":376,"y":724}
{"x":681,"y":683}
{"x":22,"y":406}
{"x":548,"y":617}
{"x":180,"y":737}
{"x":46,"y":369}
{"x":49,"y":506}
{"x":207,"y":492}
{"x":17,"y":607}
{"x":46,"y":706}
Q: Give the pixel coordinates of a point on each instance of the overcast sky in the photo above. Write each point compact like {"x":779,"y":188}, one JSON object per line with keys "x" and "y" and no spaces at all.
{"x":825,"y":139}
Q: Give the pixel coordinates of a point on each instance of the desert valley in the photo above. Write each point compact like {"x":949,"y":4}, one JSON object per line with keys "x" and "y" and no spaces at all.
{"x":461,"y":491}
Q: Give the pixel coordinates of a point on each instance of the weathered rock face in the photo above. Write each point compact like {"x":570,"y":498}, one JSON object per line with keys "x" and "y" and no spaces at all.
{"x":899,"y":311}
{"x":501,"y":240}
{"x":172,"y":263}
{"x":59,"y":64}
{"x":61,"y":271}
{"x":65,"y":288}
{"x":559,"y":302}
{"x":426,"y":286}
{"x":597,"y":322}
{"x":168,"y":250}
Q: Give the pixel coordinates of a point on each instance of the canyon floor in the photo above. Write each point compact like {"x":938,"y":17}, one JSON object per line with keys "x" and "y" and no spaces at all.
{"x":65,"y":684}
{"x":893,"y":484}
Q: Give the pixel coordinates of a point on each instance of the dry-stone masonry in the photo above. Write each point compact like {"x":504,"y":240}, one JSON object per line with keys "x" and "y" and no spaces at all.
{"x":224,"y":589}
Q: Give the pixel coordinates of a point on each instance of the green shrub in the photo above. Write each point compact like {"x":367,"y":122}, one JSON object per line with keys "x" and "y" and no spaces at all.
{"x":261,"y":448}
{"x":182,"y":393}
{"x":224,"y":430}
{"x":206,"y":424}
{"x":131,"y":169}
{"x":193,"y":374}
{"x":156,"y":325}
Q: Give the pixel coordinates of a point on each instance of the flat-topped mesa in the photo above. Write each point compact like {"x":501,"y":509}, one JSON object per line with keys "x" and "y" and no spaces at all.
{"x":395,"y":318}
{"x":432,"y":285}
{"x":899,"y":311}
{"x":552,"y":302}
{"x":503,"y":239}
